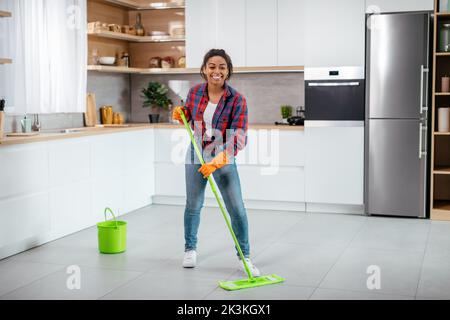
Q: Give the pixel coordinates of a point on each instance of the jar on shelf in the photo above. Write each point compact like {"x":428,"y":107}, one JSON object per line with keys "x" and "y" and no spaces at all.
{"x":444,"y":38}
{"x":125,"y":60}
{"x":139,"y":27}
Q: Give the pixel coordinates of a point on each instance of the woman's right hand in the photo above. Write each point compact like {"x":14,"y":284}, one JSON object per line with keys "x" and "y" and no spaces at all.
{"x":176,"y":114}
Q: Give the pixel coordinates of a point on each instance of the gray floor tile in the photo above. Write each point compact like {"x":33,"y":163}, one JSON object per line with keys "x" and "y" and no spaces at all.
{"x":399,"y":271}
{"x":15,"y":274}
{"x":439,"y":238}
{"x":333,"y":294}
{"x":393,"y":234}
{"x":312,"y":249}
{"x":160,"y":286}
{"x":435,"y":276}
{"x":324,"y":229}
{"x":271,"y":292}
{"x":301,"y":265}
{"x":94,"y":284}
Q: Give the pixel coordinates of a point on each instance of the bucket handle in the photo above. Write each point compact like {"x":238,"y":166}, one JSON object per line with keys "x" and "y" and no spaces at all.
{"x":108,"y":209}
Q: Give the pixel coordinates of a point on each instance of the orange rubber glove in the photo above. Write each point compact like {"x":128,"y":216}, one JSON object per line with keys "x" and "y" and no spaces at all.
{"x":218,"y":162}
{"x":176,"y":114}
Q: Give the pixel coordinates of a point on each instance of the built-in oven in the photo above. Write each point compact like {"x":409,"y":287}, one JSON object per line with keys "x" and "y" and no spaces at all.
{"x":334,"y":94}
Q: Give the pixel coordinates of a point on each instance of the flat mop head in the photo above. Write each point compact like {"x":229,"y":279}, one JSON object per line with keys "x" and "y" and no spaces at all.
{"x":247,"y":283}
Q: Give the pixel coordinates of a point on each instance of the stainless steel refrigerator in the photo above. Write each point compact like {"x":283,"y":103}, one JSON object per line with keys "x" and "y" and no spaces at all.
{"x":397,"y":95}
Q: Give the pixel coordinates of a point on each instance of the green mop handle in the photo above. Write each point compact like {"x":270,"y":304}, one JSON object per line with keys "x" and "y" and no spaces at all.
{"x":213,"y":187}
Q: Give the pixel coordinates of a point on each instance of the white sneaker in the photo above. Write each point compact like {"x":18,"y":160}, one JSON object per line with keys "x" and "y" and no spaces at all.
{"x":253,"y":269}
{"x":190,"y":259}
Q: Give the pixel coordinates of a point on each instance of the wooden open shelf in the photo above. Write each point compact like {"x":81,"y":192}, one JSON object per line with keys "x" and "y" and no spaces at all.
{"x":441,"y":210}
{"x":440,"y":141}
{"x":5,"y":14}
{"x":132,"y":38}
{"x":442,"y":170}
{"x":139,"y":49}
{"x":5,"y":61}
{"x":115,"y":69}
{"x":139,"y":5}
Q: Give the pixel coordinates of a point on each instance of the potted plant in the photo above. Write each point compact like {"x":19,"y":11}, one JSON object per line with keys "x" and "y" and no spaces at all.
{"x":286,"y":112}
{"x":155,"y":96}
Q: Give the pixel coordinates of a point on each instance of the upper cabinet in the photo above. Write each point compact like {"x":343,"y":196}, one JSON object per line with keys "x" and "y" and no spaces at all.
{"x":230,"y":34}
{"x":255,"y":33}
{"x":379,"y":6}
{"x":335,"y":33}
{"x":291,"y":32}
{"x":261,"y":33}
{"x":201,"y":25}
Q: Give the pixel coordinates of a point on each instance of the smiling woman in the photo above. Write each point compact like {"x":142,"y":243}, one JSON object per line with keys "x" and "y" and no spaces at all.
{"x":47,"y":42}
{"x":218,"y":114}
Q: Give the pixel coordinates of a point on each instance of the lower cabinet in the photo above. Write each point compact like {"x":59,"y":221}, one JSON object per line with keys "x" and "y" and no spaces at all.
{"x":55,"y":188}
{"x":334,"y":168}
{"x":271,"y":167}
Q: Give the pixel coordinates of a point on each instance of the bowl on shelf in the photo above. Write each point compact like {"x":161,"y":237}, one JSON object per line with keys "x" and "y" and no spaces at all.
{"x":109,"y":61}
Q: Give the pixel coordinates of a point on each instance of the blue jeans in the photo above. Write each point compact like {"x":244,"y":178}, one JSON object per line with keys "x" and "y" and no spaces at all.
{"x":227,"y":179}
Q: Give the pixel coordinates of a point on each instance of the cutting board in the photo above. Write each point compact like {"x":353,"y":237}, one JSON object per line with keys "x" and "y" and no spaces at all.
{"x":21,"y":134}
{"x":2,"y":122}
{"x":90,"y":117}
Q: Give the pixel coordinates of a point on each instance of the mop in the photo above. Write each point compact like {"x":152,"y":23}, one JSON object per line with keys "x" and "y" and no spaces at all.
{"x":251,"y":281}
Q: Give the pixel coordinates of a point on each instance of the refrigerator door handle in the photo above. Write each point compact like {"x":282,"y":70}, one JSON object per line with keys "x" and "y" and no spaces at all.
{"x":423,"y":70}
{"x":421,"y":129}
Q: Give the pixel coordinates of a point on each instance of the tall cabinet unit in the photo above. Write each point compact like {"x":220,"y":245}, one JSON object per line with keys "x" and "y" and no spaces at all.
{"x":440,"y":140}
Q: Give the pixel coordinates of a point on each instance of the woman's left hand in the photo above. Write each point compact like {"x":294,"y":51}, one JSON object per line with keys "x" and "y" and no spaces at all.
{"x":218,"y":162}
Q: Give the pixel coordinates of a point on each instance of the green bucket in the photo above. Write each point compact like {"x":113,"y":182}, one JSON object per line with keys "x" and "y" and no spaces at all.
{"x":112,"y":235}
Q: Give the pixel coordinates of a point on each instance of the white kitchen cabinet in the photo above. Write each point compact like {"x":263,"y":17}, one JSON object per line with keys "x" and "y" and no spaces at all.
{"x":74,"y":154}
{"x":335,"y":33}
{"x":201,"y":20}
{"x":254,"y":33}
{"x":380,"y":6}
{"x":51,"y":189}
{"x":273,"y":148}
{"x":261,"y":33}
{"x":231,"y":24}
{"x":334,"y":168}
{"x":170,"y":180}
{"x":24,"y":169}
{"x":70,"y":208}
{"x":23,"y":218}
{"x":282,"y":184}
{"x":106,"y":156}
{"x":291,"y":32}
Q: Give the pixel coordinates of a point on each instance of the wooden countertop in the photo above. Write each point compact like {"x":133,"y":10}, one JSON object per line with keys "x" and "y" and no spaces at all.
{"x":91,"y":131}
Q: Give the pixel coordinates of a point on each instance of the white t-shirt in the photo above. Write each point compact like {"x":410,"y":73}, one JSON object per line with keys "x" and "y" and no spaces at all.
{"x":208,"y":117}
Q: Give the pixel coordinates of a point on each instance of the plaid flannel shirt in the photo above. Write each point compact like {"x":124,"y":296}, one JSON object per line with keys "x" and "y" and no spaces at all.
{"x":230,"y":118}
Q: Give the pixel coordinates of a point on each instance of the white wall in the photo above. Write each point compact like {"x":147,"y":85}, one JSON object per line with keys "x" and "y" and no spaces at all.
{"x":398,"y":5}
